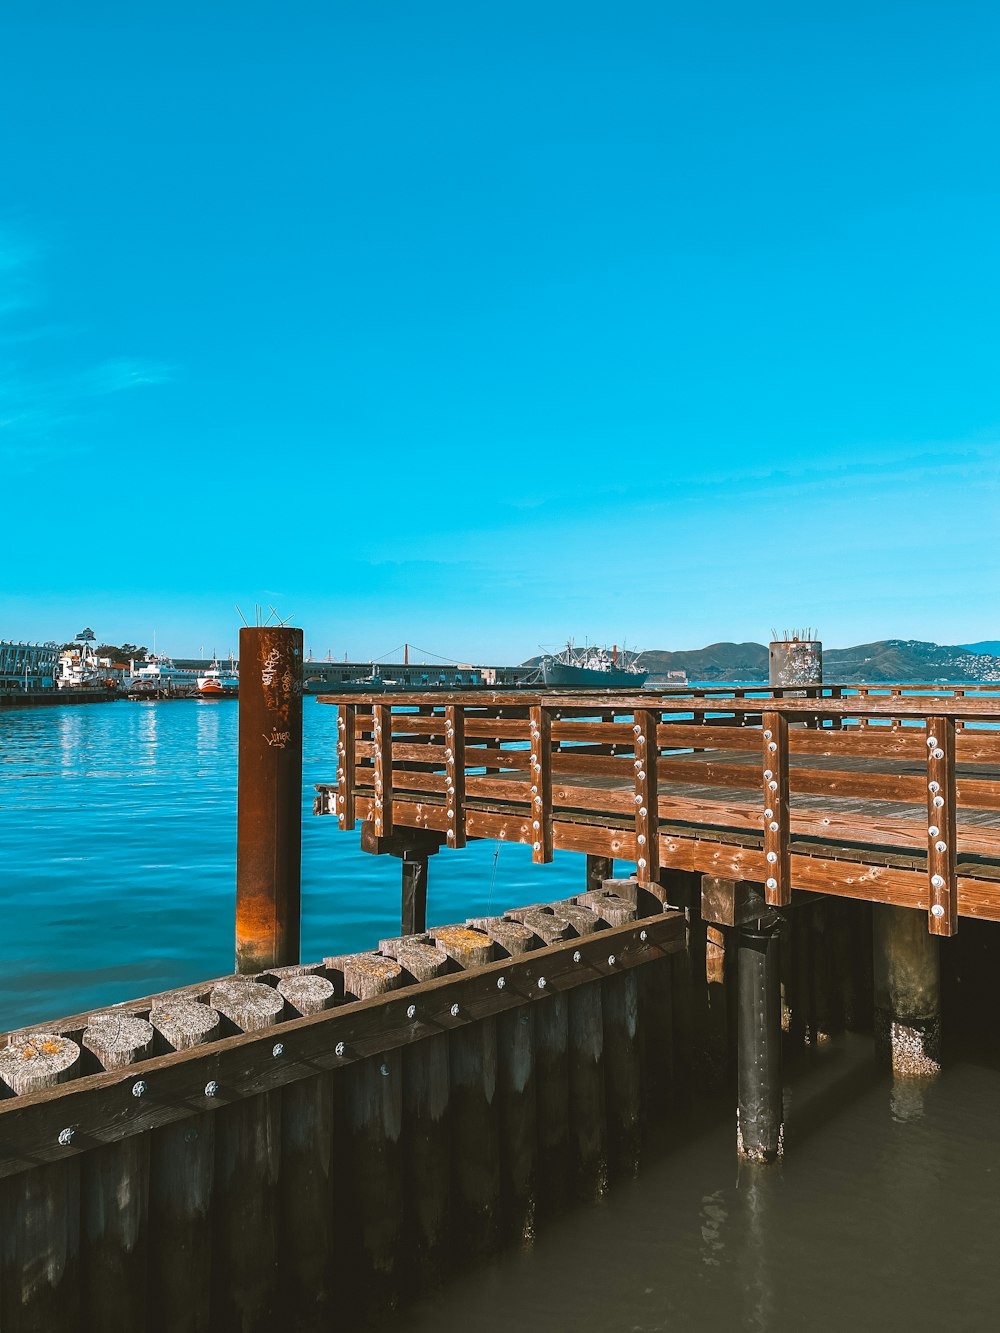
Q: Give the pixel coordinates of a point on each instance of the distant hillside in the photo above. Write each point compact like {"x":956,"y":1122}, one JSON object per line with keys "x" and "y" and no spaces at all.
{"x":989,"y":646}
{"x":719,"y":661}
{"x":886,"y":660}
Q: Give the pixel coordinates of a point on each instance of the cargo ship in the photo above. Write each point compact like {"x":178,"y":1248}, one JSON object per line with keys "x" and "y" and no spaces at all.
{"x":592,"y":668}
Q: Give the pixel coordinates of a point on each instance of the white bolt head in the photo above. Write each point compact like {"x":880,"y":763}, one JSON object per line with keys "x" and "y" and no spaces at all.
{"x":641,"y":863}
{"x":640,"y":775}
{"x":612,"y":960}
{"x":931,"y":742}
{"x":66,"y":1137}
{"x":937,"y":910}
{"x":768,"y":735}
{"x":773,"y":826}
{"x":940,"y":846}
{"x":933,"y":786}
{"x":637,"y":729}
{"x":454,"y":1011}
{"x":638,"y":800}
{"x":536,"y":824}
{"x":278,"y":1049}
{"x":641,"y":839}
{"x":211,"y":1088}
{"x":768,"y":773}
{"x":938,"y":802}
{"x":768,"y":814}
{"x":139,"y":1087}
{"x":643,"y":935}
{"x":577,"y":955}
{"x":339,"y":1048}
{"x":772,"y":857}
{"x":411,"y":1011}
{"x":772,"y":884}
{"x":542,"y":983}
{"x":938,"y":754}
{"x":451,"y":814}
{"x":772,"y":746}
{"x":536,"y":846}
{"x":937,"y":881}
{"x":773,"y":786}
{"x":642,"y":812}
{"x":933,"y":831}
{"x":501,"y":982}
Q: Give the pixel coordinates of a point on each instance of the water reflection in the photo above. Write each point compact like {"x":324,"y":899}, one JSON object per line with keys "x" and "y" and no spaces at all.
{"x":757,"y":1183}
{"x":149,"y":729}
{"x":906,"y":1099}
{"x":207,"y":730}
{"x":69,"y":733}
{"x":713,"y":1216}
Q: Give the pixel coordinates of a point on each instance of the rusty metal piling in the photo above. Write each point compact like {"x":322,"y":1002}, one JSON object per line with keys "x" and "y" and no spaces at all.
{"x":269,"y":818}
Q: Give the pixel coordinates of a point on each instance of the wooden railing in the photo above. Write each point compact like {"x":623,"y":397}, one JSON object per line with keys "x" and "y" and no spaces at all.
{"x":807,"y":784}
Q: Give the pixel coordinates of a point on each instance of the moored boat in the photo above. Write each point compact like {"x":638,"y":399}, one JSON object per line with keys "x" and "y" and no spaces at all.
{"x":157,"y":677}
{"x":597,"y":668}
{"x":218,"y":682}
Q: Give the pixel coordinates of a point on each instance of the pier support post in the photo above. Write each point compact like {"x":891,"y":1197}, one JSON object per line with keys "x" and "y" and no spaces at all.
{"x":269,"y":818}
{"x":760,"y":1115}
{"x":413,"y":916}
{"x":907,"y":972}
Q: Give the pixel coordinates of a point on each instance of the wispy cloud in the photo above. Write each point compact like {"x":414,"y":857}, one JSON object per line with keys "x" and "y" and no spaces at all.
{"x":41,"y":396}
{"x":122,"y":374}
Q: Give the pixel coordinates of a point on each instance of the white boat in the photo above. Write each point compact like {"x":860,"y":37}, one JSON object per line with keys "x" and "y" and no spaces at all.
{"x":218,"y":682}
{"x":158,"y":676}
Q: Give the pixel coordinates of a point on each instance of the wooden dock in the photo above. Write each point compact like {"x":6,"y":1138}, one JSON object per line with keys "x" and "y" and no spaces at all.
{"x":889,"y":795}
{"x":305,"y":1145}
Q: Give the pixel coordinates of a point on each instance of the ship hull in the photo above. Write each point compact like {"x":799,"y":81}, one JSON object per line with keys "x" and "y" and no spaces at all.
{"x":563,"y":676}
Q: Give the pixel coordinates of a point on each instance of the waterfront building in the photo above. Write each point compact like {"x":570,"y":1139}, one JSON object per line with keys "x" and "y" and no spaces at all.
{"x":28,"y":666}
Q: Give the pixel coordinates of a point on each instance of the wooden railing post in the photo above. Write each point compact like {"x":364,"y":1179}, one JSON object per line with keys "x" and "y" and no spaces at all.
{"x":382,"y":755}
{"x":778,"y":883}
{"x":454,"y":767}
{"x":941,"y":826}
{"x":647,"y":753}
{"x":541,"y":783}
{"x":346,"y":761}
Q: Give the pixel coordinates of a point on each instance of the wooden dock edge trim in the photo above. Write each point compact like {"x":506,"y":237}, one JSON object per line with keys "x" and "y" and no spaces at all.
{"x":811,"y":874}
{"x":103,"y":1108}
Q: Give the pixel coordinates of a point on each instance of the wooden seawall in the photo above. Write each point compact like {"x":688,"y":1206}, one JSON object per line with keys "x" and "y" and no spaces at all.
{"x":320,"y":1138}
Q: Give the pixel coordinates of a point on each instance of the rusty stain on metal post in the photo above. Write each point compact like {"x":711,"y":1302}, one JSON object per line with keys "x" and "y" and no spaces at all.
{"x":269,"y":819}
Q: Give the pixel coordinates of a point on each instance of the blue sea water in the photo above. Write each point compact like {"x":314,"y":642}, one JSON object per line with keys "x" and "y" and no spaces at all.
{"x":118,"y":856}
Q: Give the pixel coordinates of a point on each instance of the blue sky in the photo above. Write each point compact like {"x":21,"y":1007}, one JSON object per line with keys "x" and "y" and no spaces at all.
{"x":484,"y":326}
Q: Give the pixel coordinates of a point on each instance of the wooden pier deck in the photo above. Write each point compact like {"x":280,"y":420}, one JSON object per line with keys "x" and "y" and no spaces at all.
{"x":890,"y":796}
